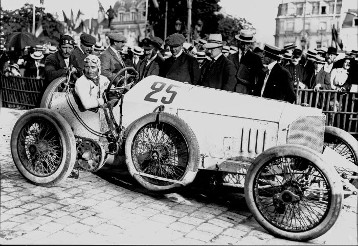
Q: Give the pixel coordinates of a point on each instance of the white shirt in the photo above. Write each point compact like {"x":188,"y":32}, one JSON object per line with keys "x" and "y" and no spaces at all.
{"x":338,"y":77}
{"x":67,"y":61}
{"x":328,"y":68}
{"x":151,"y":59}
{"x":269,"y":67}
{"x":89,"y":93}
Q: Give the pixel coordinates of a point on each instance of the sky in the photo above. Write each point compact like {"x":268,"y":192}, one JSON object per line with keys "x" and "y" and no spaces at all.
{"x":261,"y":13}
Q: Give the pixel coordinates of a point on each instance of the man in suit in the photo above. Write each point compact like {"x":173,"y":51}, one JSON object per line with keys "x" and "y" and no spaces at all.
{"x":111,"y":60}
{"x":296,"y":69}
{"x":180,"y":66}
{"x":247,"y":63}
{"x":59,"y":63}
{"x":220,"y":72}
{"x":81,"y":51}
{"x":277,"y":82}
{"x":151,"y":63}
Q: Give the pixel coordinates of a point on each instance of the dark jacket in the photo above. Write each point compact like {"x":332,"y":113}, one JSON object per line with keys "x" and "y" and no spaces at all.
{"x":55,"y":66}
{"x":152,"y":68}
{"x":111,"y":64}
{"x":322,"y":77}
{"x":79,"y":57}
{"x":185,"y":68}
{"x":279,"y":85}
{"x":31,"y":69}
{"x":219,"y":74}
{"x":248,"y":70}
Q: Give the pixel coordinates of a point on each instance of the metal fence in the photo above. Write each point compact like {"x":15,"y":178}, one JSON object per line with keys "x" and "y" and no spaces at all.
{"x":340,"y":108}
{"x":21,"y":92}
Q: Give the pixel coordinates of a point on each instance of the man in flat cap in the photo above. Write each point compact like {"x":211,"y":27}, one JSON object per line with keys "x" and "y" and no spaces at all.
{"x":111,"y":59}
{"x":152,"y":61}
{"x":180,"y":66}
{"x":59,"y":63}
{"x":277,"y":81}
{"x":82,"y":51}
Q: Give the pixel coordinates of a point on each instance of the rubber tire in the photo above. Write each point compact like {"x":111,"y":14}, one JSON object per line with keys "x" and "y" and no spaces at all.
{"x":183,"y":129}
{"x":328,"y":171}
{"x":51,"y":88}
{"x":346,"y":138}
{"x":68,"y":148}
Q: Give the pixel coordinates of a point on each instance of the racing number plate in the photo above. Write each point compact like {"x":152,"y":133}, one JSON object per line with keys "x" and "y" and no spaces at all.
{"x":163,"y":92}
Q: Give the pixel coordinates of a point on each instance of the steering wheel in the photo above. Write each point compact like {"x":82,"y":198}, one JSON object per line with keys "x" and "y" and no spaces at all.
{"x":127,"y":79}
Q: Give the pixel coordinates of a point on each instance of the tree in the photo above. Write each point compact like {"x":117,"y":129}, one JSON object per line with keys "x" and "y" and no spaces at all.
{"x":21,"y":20}
{"x":229,"y":26}
{"x":205,"y":10}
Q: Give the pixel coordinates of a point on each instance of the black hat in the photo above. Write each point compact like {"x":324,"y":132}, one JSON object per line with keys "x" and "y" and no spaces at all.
{"x":332,"y":50}
{"x":272,"y":52}
{"x":147,"y":44}
{"x":87,"y":39}
{"x":296,"y":52}
{"x":67,"y":39}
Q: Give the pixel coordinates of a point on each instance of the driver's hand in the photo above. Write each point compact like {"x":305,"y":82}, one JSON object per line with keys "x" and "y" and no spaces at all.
{"x":113,"y":102}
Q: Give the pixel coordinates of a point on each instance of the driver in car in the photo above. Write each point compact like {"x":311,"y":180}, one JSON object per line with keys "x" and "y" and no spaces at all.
{"x":91,"y":85}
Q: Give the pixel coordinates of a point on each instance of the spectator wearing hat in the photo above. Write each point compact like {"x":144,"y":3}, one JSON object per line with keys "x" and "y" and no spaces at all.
{"x":13,"y":70}
{"x":320,"y":79}
{"x":296,"y":69}
{"x":60,"y":63}
{"x":226,"y":50}
{"x":4,"y":59}
{"x":52,"y":49}
{"x":111,"y":59}
{"x":81,"y":51}
{"x":330,"y":57}
{"x":137,"y":56}
{"x":180,"y":66}
{"x":34,"y":67}
{"x":152,"y":61}
{"x":220,"y":72}
{"x":289,"y":46}
{"x":98,"y":49}
{"x":257,"y":50}
{"x":247,"y":63}
{"x":201,"y":58}
{"x":200,"y":43}
{"x":340,"y":78}
{"x":277,"y":83}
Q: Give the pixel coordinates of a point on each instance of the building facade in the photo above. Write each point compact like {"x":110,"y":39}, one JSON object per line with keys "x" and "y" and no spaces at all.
{"x":307,"y":23}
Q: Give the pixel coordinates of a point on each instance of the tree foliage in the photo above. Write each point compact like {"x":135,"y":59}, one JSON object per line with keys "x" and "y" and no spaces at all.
{"x":21,"y":20}
{"x":230,"y":26}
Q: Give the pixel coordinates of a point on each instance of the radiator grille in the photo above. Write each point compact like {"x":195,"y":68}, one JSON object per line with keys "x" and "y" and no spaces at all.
{"x":307,"y":131}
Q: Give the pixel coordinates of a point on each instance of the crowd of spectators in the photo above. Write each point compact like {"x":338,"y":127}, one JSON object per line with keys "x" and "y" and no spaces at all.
{"x":267,"y":71}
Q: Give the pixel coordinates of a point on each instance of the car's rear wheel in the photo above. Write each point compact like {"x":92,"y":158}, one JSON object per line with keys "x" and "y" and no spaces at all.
{"x":293,"y":193}
{"x":161,"y":152}
{"x":344,"y":144}
{"x":57,"y":85}
{"x":43,"y":147}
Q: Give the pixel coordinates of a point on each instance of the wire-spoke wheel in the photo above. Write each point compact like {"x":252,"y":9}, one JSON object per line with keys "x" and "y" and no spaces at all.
{"x":161,"y":154}
{"x":292,"y":193}
{"x":345,"y":145}
{"x":43,"y":147}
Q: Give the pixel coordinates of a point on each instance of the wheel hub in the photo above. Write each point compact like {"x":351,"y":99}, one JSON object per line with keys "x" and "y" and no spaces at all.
{"x":159,"y":152}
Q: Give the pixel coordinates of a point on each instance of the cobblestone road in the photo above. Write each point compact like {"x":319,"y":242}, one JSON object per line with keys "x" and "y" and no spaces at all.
{"x":110,"y":208}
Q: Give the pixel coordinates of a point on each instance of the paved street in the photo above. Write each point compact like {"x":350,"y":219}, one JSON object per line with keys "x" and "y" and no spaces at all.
{"x":110,"y":208}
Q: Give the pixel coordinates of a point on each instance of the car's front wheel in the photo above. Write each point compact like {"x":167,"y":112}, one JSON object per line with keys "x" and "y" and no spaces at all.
{"x":293,"y":193}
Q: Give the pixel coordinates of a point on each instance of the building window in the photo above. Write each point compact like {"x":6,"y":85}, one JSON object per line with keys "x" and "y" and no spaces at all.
{"x":299,"y":9}
{"x":355,"y":22}
{"x":120,"y":16}
{"x":319,"y":44}
{"x":323,"y":26}
{"x":283,"y":9}
{"x":323,"y":10}
{"x":315,"y":8}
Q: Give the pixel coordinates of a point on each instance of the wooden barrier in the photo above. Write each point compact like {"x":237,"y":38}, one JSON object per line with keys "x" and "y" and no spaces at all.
{"x":340,"y":108}
{"x":21,"y":92}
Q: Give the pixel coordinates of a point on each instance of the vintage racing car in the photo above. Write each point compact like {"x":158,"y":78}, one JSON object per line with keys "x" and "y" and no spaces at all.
{"x":168,"y":131}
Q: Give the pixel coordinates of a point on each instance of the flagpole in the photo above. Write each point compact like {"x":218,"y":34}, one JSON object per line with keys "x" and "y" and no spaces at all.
{"x":146,"y":18}
{"x":33,"y":18}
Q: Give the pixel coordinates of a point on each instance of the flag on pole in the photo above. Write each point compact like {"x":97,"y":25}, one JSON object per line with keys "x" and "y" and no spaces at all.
{"x":101,"y":13}
{"x":78,"y":19}
{"x":39,"y":29}
{"x":155,"y":3}
{"x":335,"y":38}
{"x":72,"y":19}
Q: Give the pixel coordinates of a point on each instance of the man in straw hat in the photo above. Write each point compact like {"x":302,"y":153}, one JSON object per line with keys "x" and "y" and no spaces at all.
{"x":111,"y":59}
{"x":277,"y":82}
{"x":247,"y":63}
{"x":220,"y":72}
{"x":34,"y":67}
{"x":180,"y":66}
{"x":59,"y":63}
